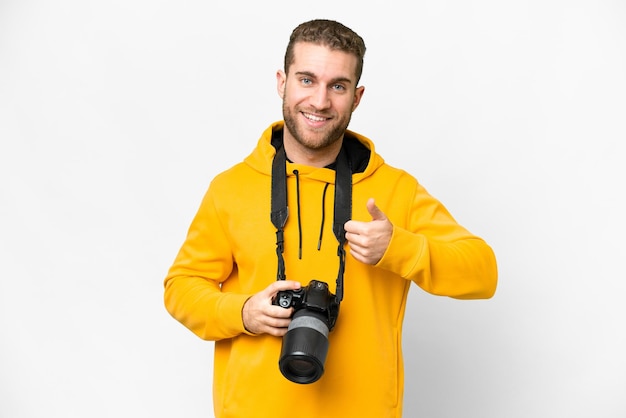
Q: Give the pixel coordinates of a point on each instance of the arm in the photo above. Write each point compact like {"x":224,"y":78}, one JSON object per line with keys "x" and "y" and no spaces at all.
{"x":463,"y":268}
{"x":194,"y":287}
{"x":193,"y":293}
{"x":432,"y":249}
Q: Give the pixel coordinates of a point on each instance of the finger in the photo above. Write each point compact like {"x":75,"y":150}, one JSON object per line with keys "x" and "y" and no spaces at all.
{"x":280,"y":285}
{"x":275,"y":322}
{"x":276,"y":311}
{"x":276,"y":332}
{"x":351,"y":227}
{"x":356,"y":252}
{"x":355,"y":239}
{"x":374,"y":211}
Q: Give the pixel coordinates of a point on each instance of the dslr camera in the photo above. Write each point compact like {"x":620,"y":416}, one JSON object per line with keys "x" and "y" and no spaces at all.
{"x":305,"y":345}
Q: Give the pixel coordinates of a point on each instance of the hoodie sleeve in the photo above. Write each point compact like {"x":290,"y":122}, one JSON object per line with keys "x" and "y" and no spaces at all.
{"x":193,"y":292}
{"x":439,"y":255}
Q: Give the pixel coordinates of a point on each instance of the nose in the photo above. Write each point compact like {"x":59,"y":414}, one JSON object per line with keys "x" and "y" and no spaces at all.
{"x":320,"y":98}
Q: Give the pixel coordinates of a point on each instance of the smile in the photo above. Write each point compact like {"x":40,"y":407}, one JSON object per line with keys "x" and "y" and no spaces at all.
{"x":314,"y":118}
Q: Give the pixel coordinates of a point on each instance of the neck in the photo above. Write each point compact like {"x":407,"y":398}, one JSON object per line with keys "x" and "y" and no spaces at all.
{"x":312,"y":157}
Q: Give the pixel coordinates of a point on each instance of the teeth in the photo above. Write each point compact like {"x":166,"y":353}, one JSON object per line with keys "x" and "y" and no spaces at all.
{"x":313,"y":118}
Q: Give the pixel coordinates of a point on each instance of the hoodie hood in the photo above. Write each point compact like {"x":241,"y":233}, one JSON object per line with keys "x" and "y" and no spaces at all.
{"x":361,"y":153}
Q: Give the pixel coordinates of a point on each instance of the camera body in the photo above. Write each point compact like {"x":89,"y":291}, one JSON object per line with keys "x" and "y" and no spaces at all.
{"x":315,"y":297}
{"x":305,"y":345}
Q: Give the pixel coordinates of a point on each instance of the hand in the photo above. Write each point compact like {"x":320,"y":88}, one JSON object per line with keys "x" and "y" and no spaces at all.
{"x":261,"y":317}
{"x":369,"y":240}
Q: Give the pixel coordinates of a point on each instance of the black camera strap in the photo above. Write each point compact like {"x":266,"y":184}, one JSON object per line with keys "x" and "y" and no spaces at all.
{"x":342,"y":210}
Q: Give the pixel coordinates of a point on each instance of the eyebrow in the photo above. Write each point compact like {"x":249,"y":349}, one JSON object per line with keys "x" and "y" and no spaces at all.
{"x":333,"y":81}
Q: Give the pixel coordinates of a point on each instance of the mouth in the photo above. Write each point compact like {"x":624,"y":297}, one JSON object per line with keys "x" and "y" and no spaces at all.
{"x":314,"y":118}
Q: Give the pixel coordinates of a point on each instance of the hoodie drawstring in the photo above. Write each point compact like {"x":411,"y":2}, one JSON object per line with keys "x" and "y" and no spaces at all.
{"x":296,"y":172}
{"x":319,"y":241}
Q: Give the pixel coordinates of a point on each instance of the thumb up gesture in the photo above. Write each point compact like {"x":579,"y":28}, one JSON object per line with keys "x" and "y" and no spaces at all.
{"x":369,"y":240}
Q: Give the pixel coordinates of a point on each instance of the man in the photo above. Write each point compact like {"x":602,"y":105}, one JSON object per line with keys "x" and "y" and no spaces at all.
{"x":244,"y":247}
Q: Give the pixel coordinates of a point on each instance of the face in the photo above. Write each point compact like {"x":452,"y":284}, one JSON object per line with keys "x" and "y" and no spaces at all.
{"x":319,"y":95}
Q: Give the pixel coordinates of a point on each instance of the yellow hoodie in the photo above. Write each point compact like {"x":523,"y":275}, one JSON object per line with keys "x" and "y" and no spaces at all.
{"x":230,"y":254}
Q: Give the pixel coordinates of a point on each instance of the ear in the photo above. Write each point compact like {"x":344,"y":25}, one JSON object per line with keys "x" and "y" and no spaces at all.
{"x":358,"y":94}
{"x":281,"y":80}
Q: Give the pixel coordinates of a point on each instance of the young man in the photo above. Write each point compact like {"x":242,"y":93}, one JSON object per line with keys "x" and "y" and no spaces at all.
{"x":244,"y":247}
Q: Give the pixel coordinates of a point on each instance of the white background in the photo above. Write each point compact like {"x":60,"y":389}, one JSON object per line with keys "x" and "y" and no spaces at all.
{"x":115,"y":115}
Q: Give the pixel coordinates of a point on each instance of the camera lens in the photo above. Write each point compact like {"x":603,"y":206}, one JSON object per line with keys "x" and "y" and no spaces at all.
{"x":301,"y":368}
{"x":305,"y":347}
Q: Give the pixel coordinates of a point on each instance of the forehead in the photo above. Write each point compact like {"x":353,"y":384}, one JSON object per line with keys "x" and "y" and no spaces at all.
{"x":322,"y":61}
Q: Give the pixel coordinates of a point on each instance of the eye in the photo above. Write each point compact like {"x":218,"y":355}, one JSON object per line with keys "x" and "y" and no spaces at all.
{"x":338,"y":87}
{"x":306,"y":81}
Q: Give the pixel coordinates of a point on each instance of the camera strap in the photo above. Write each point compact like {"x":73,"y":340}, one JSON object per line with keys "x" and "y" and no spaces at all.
{"x":342,"y":210}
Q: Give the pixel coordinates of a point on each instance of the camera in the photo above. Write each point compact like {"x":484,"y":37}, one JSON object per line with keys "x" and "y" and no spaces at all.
{"x":305,"y":345}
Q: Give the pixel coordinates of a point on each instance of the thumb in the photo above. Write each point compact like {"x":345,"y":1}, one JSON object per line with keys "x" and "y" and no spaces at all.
{"x":374,"y":211}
